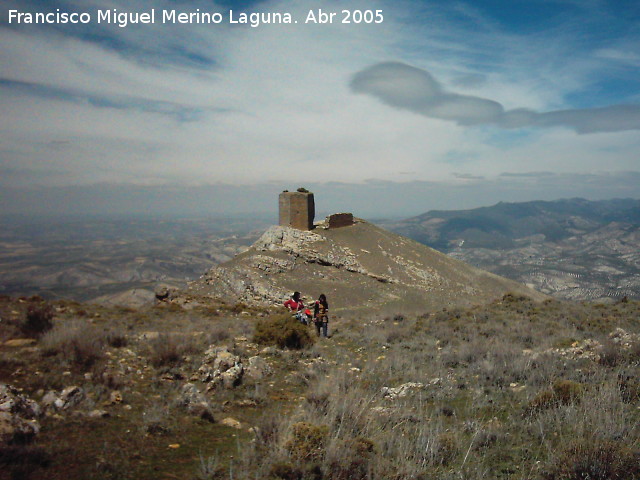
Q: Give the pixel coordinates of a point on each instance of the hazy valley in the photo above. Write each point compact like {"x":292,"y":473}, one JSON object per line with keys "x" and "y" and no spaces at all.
{"x":114,"y":260}
{"x":574,"y":249}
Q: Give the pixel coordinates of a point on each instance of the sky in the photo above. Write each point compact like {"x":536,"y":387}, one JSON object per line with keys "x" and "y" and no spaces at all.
{"x":441,"y":105}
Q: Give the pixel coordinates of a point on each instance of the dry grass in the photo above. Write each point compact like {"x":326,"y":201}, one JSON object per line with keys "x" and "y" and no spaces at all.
{"x":170,"y":348}
{"x":499,"y":392}
{"x":481,"y":368}
{"x":76,"y":342}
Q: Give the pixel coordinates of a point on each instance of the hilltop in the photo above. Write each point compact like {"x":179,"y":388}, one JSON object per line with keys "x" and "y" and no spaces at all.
{"x":361,"y":266}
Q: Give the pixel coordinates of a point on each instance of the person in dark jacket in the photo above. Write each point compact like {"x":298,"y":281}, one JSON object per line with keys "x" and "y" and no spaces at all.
{"x":321,"y":315}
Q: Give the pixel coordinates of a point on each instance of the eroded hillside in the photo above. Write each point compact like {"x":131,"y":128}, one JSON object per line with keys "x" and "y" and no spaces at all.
{"x":360,"y":267}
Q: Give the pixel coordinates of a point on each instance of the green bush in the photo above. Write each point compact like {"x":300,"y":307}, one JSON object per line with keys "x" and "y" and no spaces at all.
{"x":567,"y":391}
{"x":38,"y":320}
{"x":307,"y":441}
{"x":283,"y":332}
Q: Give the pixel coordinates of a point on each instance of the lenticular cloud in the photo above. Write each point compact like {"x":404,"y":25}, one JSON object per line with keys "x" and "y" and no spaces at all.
{"x":409,"y":88}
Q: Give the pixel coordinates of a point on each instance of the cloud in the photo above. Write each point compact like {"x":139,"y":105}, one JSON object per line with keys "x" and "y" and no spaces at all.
{"x":201,"y":105}
{"x":467,"y":176}
{"x":409,"y":88}
{"x":528,"y":174}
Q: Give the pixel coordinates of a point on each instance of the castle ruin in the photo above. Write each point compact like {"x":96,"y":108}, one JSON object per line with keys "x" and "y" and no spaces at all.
{"x":297,"y":209}
{"x":338,"y":220}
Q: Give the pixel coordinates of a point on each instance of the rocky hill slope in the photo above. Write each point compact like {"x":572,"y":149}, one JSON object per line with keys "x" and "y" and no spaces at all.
{"x":360,"y":266}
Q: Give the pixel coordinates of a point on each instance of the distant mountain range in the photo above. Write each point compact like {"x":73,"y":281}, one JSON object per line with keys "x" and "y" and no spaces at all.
{"x":572,"y":248}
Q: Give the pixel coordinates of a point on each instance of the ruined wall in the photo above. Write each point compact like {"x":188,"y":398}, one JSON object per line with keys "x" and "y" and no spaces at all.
{"x":297,"y":210}
{"x":338,"y":220}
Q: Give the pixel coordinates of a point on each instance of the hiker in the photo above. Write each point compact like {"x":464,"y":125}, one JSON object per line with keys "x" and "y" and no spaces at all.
{"x":321,"y":315}
{"x":295,"y":305}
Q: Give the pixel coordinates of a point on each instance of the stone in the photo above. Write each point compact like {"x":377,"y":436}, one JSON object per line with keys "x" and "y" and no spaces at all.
{"x":49,"y":399}
{"x":195,"y":402}
{"x":231,"y":422}
{"x":338,"y":220}
{"x":220,"y":366}
{"x":69,"y":398}
{"x":98,"y":414}
{"x":296,"y":210}
{"x":257,"y":368}
{"x":18,"y":416}
{"x":402,"y":391}
{"x":233,"y":376}
{"x":163,"y":293}
{"x":13,"y":402}
{"x":115,"y":397}
{"x":20,"y":342}
{"x":15,"y":429}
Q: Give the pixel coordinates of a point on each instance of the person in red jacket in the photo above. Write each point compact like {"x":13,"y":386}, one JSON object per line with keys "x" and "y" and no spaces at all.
{"x":294,"y":304}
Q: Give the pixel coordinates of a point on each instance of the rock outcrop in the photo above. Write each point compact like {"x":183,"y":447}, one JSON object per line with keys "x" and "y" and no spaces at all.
{"x":220,"y":368}
{"x":18,"y":416}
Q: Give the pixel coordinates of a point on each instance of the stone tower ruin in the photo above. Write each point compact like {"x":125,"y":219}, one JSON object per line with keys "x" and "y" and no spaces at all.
{"x":297,"y":209}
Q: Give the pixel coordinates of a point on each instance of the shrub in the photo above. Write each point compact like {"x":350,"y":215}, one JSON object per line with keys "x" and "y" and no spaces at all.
{"x":77,"y":342}
{"x":285,"y":471}
{"x":169,"y":349}
{"x":116,"y":339}
{"x":218,"y":333}
{"x":210,"y":468}
{"x":543,"y":400}
{"x":595,"y":459}
{"x":563,"y":392}
{"x":38,"y":320}
{"x":307,"y":441}
{"x":567,"y":391}
{"x":610,"y":354}
{"x":349,"y":459}
{"x":629,"y":386}
{"x":283,"y":332}
{"x":447,"y":448}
